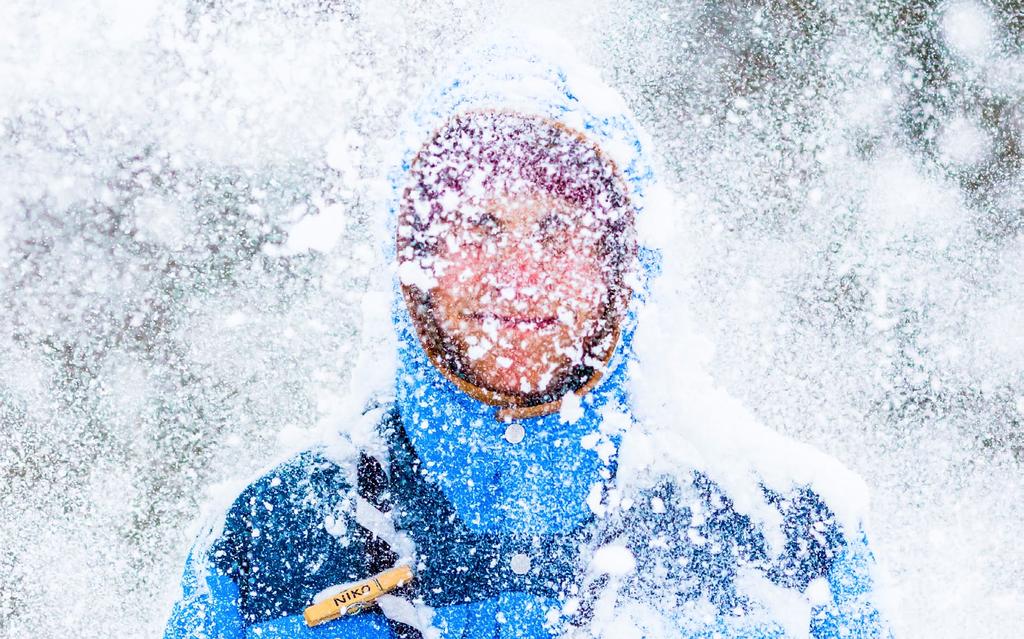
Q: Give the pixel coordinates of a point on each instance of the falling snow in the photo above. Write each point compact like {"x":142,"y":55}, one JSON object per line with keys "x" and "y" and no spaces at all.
{"x":192,"y":200}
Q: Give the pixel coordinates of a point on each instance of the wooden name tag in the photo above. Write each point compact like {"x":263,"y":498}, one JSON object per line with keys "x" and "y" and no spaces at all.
{"x":354,"y":597}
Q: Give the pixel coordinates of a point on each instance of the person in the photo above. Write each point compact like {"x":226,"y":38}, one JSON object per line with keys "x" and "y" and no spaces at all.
{"x":494,"y":470}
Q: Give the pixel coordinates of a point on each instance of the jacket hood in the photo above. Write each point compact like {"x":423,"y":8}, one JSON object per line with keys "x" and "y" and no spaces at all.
{"x":543,"y":482}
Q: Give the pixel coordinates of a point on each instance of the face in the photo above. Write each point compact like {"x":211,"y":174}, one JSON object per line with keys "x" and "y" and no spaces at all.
{"x":521,"y":292}
{"x":514,"y":237}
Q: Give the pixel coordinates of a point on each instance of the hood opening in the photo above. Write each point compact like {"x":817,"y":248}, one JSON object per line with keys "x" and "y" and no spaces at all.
{"x":472,"y":161}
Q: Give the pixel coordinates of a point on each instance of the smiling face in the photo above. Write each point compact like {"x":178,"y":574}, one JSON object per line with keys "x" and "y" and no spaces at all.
{"x":513,"y":242}
{"x":521,"y":294}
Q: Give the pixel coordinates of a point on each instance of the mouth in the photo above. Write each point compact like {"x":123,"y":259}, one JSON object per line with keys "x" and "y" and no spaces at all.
{"x":515,"y":321}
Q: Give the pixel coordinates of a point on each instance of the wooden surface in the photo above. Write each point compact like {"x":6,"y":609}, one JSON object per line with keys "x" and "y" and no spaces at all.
{"x":356,"y":596}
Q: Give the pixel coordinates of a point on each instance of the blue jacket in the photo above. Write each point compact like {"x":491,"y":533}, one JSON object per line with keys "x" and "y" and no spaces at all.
{"x":295,"y":532}
{"x":459,"y":501}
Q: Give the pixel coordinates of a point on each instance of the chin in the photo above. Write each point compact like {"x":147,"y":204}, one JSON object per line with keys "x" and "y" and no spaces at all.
{"x":507,"y":380}
{"x":512,"y":387}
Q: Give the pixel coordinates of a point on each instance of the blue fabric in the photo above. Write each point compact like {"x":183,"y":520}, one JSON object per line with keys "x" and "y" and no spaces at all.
{"x":539,"y":485}
{"x":368,"y":625}
{"x":272,"y":555}
{"x":458,"y":562}
{"x":209,"y":609}
{"x":512,"y":614}
{"x":542,"y":483}
{"x":852,"y":613}
{"x":260,"y":582}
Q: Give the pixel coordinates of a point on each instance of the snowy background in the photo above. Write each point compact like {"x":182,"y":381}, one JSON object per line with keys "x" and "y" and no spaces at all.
{"x":186,"y":189}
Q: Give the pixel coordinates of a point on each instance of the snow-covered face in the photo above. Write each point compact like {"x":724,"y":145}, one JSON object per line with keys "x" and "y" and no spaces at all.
{"x":521,"y":292}
{"x":514,"y":237}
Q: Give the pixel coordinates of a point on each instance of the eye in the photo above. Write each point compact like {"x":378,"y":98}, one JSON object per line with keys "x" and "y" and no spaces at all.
{"x":477,"y":230}
{"x":553,"y":229}
{"x":483,"y":224}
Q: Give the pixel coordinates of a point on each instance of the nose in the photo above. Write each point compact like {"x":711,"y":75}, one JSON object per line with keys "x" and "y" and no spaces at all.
{"x":520,"y":264}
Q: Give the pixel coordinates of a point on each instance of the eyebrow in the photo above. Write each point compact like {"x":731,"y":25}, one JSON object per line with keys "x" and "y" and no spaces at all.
{"x":552,"y":216}
{"x":484,"y":217}
{"x":551,"y":212}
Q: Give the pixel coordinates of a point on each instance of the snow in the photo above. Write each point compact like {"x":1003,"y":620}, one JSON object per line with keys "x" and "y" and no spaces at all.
{"x":964,"y":142}
{"x":403,"y":611}
{"x":968,"y":28}
{"x":318,"y":231}
{"x":905,"y":200}
{"x":190,"y":211}
{"x":159,"y":220}
{"x":128,"y":20}
{"x":414,"y":274}
{"x":571,"y":408}
{"x":613,"y":560}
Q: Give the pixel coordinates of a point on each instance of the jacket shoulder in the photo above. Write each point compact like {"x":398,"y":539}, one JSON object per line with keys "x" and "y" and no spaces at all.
{"x":290,"y":534}
{"x":813,"y":537}
{"x":696,"y":523}
{"x":305,"y":483}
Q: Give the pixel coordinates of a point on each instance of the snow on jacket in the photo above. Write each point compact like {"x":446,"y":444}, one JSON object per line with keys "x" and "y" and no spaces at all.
{"x":530,"y":539}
